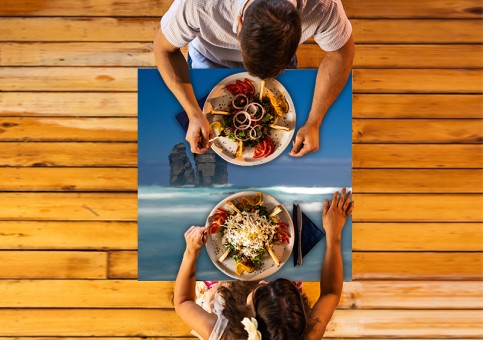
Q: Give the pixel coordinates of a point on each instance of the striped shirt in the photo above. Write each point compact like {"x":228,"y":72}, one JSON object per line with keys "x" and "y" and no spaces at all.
{"x":210,"y":28}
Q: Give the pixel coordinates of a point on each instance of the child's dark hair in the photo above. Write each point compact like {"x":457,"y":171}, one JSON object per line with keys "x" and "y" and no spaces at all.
{"x":280,"y":309}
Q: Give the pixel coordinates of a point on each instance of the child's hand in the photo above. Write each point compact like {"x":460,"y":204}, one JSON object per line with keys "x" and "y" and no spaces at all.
{"x":335,"y":214}
{"x":195,"y":238}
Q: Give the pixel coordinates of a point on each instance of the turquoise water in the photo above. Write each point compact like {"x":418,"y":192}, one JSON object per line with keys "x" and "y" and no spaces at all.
{"x":165,"y":213}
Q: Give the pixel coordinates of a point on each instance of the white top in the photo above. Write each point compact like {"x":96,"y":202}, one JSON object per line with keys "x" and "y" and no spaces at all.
{"x":210,"y":28}
{"x":212,"y":302}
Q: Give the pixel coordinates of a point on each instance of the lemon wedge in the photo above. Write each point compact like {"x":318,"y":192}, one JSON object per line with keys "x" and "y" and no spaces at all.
{"x":217,"y":127}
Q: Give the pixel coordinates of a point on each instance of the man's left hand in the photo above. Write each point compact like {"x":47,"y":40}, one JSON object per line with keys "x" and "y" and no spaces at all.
{"x":306,"y":141}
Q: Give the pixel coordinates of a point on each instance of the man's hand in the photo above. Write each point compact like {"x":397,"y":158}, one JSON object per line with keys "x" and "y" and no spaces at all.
{"x":306,"y":141}
{"x":199,"y":133}
{"x":335,"y":214}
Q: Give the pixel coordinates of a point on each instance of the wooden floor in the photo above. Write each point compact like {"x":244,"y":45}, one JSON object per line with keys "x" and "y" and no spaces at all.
{"x":68,"y":155}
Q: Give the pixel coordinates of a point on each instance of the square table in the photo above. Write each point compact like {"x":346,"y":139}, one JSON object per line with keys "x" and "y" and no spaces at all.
{"x":166,"y":212}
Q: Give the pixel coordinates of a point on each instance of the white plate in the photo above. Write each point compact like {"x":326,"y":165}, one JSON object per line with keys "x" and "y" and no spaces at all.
{"x":267,"y":267}
{"x":219,"y":99}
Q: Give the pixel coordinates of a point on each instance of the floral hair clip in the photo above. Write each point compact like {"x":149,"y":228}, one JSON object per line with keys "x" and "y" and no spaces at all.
{"x":251,"y":326}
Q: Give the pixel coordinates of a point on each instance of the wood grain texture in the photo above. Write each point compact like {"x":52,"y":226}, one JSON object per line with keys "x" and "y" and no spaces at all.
{"x":146,"y":322}
{"x":417,"y":181}
{"x":67,"y":79}
{"x":365,"y":265}
{"x":354,"y":8}
{"x":421,"y":131}
{"x":68,"y":129}
{"x":418,"y":208}
{"x":68,"y":207}
{"x":309,"y":54}
{"x":417,"y":81}
{"x":68,"y":179}
{"x":416,"y":106}
{"x":149,"y":294}
{"x":416,"y":266}
{"x":91,"y":104}
{"x":40,"y":154}
{"x":52,"y":265}
{"x":417,"y":156}
{"x":125,"y":79}
{"x":60,"y":235}
{"x":417,"y":236}
{"x":410,"y":31}
{"x":401,"y":56}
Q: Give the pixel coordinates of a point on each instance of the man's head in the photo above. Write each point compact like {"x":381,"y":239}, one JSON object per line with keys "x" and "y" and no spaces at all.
{"x":269,"y":37}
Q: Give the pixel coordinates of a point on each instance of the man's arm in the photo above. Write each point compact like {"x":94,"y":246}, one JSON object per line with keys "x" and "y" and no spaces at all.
{"x":184,"y":290}
{"x":331,"y":278}
{"x":331,"y":78}
{"x":173,"y":68}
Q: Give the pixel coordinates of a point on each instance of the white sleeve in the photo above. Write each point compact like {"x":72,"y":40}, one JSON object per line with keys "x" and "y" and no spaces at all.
{"x":180,"y":25}
{"x":335,"y":29}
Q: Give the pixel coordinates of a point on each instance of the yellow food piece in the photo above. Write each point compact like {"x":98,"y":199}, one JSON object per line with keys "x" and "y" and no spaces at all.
{"x":258,"y":199}
{"x":280,"y":104}
{"x":217,"y":127}
{"x":240,"y":268}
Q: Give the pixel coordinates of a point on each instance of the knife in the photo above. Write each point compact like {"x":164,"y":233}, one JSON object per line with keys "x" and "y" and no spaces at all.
{"x":299,"y":241}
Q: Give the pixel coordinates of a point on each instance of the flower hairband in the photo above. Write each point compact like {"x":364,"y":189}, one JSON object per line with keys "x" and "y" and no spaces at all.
{"x":251,"y":326}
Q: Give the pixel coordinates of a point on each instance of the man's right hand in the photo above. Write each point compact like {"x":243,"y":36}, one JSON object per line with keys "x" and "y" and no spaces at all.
{"x":199,"y":133}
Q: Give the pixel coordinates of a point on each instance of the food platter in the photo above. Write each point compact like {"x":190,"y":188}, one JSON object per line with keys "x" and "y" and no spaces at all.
{"x":267,"y":266}
{"x":220,"y":99}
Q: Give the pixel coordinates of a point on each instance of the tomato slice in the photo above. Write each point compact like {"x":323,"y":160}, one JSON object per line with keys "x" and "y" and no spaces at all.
{"x":250,"y":87}
{"x":270,"y":146}
{"x":213,"y":228}
{"x":233,"y":89}
{"x":260,"y":149}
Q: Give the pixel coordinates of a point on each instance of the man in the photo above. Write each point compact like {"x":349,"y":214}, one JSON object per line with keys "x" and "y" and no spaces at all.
{"x":262,"y":36}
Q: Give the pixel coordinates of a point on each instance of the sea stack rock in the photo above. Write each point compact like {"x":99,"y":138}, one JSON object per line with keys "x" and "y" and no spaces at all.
{"x":180,"y":168}
{"x":210,"y":169}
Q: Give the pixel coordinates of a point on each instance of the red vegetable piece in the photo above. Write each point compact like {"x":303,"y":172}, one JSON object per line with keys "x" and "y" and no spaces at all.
{"x":233,"y":89}
{"x":213,"y":228}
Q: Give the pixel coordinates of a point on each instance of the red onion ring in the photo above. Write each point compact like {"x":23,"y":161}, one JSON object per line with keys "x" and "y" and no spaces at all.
{"x":254,"y":111}
{"x":254,"y":130}
{"x":236,"y":97}
{"x":242,"y":123}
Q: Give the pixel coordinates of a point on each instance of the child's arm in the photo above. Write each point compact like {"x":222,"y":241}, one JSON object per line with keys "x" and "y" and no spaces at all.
{"x":184,"y":291}
{"x":331,"y":279}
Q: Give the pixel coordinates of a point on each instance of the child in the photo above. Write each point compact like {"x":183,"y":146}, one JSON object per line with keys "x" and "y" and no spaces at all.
{"x":263,"y":310}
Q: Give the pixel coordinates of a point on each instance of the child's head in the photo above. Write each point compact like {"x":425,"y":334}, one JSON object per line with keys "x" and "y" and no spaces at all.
{"x":280,"y":310}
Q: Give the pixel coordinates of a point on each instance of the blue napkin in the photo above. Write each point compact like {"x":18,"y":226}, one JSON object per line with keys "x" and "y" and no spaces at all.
{"x":311,"y":234}
{"x":182,"y":117}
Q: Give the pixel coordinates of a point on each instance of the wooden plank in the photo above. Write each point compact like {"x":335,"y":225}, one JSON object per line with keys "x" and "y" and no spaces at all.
{"x":52,"y":265}
{"x":146,"y":322}
{"x":417,"y":237}
{"x":416,"y":106}
{"x":413,"y":9}
{"x":418,"y":208}
{"x":354,"y":8}
{"x":414,"y":31}
{"x":68,"y":179}
{"x":68,"y":129}
{"x":39,"y":154}
{"x":417,"y":131}
{"x":68,"y":235}
{"x":417,"y":81}
{"x":123,"y":265}
{"x":68,"y":207}
{"x":400,"y":56}
{"x":416,"y":266}
{"x":410,"y":31}
{"x":310,"y":54}
{"x":150,"y":294}
{"x":366,"y":265}
{"x":77,"y":54}
{"x":125,"y":79}
{"x":416,"y":156}
{"x":91,"y":104}
{"x":67,"y":79}
{"x":417,"y":181}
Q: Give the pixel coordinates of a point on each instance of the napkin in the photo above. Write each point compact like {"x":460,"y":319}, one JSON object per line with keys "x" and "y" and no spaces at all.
{"x":311,"y":234}
{"x":182,"y":117}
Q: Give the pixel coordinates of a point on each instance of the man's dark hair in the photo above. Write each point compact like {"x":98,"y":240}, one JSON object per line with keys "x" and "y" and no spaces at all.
{"x":269,"y":37}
